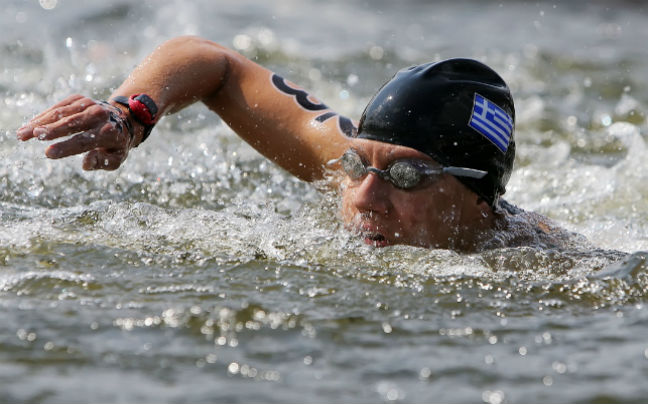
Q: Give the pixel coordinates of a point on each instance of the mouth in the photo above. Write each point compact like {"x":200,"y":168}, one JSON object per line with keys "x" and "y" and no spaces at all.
{"x":374,"y":238}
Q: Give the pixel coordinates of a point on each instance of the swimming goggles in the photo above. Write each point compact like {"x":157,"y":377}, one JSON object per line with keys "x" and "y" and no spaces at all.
{"x":403,"y":174}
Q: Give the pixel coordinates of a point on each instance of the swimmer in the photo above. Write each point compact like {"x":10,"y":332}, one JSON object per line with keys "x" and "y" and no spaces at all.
{"x":426,"y":164}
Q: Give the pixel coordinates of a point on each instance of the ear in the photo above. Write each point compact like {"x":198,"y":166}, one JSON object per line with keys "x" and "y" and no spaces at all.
{"x":483,"y":207}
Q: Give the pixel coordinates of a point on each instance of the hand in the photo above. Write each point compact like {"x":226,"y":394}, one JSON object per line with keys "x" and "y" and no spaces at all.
{"x":100,"y":129}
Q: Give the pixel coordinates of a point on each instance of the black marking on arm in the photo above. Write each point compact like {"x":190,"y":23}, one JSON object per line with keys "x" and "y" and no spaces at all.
{"x":301,"y":96}
{"x":325,"y":116}
{"x":345,"y":124}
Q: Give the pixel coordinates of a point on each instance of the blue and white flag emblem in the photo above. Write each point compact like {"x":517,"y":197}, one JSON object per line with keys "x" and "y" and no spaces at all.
{"x":492,"y":122}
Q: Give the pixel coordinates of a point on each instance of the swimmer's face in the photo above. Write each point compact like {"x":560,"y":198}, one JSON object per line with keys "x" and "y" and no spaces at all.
{"x":440,"y":213}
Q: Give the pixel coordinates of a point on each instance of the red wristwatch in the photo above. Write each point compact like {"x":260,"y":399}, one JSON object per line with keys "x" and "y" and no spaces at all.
{"x":142,"y":108}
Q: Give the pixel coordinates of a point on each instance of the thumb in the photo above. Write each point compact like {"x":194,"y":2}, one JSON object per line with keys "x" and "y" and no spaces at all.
{"x":102,"y":159}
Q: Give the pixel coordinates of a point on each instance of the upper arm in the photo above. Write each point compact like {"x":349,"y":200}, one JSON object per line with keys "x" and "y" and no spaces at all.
{"x":280,"y":120}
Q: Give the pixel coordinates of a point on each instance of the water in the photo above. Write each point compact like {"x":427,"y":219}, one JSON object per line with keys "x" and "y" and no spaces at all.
{"x":200,"y":272}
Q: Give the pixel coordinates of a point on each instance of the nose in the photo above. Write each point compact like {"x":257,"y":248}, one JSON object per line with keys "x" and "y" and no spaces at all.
{"x":372,"y":195}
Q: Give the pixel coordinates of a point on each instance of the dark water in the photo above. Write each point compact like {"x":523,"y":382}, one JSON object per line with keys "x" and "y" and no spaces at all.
{"x":199,"y":272}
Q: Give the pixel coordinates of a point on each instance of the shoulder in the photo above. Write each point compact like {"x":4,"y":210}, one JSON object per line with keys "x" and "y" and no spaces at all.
{"x":516,"y":227}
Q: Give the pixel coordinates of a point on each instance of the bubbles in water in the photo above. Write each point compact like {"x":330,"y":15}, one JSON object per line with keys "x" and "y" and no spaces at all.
{"x":48,"y":4}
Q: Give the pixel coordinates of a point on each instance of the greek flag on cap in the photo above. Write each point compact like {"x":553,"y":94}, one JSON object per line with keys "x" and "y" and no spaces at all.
{"x":492,"y":122}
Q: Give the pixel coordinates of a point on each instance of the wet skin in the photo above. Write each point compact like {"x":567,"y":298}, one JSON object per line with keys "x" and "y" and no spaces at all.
{"x":442,"y":213}
{"x":439,"y":213}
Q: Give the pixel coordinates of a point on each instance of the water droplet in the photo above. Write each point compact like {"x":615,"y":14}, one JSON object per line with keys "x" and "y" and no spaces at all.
{"x":493,"y":397}
{"x":266,"y":37}
{"x":242,"y":41}
{"x":606,"y":120}
{"x":546,"y":336}
{"x":314,"y":74}
{"x":547,"y":381}
{"x":559,"y":367}
{"x":376,"y":52}
{"x":233,"y":368}
{"x":48,"y":4}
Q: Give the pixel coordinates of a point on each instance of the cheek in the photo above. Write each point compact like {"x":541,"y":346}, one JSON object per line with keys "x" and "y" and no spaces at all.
{"x":432,"y":212}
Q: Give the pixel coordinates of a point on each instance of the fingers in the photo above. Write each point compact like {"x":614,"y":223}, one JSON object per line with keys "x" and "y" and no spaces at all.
{"x":72,"y":99}
{"x":26,"y":132}
{"x":85,"y":120}
{"x":102,"y":159}
{"x":74,"y":114}
{"x":108,"y":137}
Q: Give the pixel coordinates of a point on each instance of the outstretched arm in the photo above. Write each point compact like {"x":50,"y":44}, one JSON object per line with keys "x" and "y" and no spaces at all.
{"x":277,"y":118}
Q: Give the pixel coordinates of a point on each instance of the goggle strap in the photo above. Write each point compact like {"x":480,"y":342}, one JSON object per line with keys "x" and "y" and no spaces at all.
{"x":465,"y":172}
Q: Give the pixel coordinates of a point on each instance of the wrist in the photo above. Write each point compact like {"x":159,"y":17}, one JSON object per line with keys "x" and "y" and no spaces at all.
{"x":142,"y":112}
{"x":120,"y":117}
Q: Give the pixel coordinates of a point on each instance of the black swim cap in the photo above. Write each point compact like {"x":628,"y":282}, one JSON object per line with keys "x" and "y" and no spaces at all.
{"x":458,"y":111}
